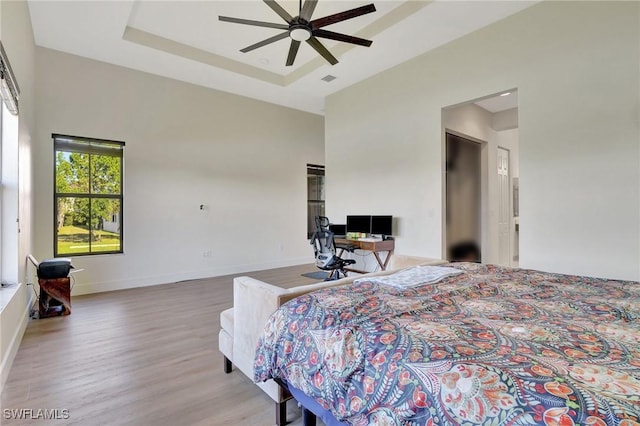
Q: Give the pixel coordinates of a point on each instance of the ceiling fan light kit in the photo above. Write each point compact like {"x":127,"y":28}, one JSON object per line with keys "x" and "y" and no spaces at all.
{"x":299,"y":33}
{"x":301,"y":28}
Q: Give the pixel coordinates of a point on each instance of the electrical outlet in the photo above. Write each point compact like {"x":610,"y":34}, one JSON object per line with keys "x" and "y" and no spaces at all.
{"x":206,"y":253}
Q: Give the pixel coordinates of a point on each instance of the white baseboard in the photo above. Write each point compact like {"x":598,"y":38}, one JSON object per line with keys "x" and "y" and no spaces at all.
{"x":9,"y":356}
{"x":99,"y":287}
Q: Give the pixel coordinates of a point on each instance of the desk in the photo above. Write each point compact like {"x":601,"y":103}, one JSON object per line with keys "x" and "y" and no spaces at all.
{"x":376,"y":247}
{"x":55,"y":297}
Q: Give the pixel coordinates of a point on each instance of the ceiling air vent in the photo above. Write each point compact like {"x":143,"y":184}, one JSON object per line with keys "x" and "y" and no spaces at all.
{"x":328,"y":78}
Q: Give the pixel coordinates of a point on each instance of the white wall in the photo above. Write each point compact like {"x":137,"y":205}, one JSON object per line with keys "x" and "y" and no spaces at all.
{"x":17,"y":38}
{"x":243,"y":159}
{"x":468,"y":119}
{"x":505,"y":120}
{"x":575,"y":66}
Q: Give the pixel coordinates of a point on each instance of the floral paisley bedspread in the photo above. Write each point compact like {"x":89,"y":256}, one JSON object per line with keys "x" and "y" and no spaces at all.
{"x":491,"y":346}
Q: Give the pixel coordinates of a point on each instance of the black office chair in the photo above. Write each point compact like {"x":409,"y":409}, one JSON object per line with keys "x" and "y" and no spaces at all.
{"x":324,"y":248}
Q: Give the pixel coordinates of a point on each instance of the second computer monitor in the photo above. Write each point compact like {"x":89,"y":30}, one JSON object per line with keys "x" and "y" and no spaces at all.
{"x":338,"y":230}
{"x":359,"y":224}
{"x":382,"y":225}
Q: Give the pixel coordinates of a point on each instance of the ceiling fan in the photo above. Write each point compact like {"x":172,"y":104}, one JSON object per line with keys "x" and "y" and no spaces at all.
{"x":301,"y":28}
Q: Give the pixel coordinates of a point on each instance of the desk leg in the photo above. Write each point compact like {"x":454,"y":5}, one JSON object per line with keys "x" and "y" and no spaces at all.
{"x":383,"y":265}
{"x":386,"y":261}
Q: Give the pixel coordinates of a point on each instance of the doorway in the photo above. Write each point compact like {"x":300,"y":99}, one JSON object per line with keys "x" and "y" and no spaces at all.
{"x":463,"y":199}
{"x":480,"y":205}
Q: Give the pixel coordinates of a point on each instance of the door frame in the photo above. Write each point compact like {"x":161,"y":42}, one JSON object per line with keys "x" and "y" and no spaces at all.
{"x":510,"y":207}
{"x":484,"y":190}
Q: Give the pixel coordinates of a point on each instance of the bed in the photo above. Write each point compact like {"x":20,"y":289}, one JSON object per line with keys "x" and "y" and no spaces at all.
{"x":488,"y":346}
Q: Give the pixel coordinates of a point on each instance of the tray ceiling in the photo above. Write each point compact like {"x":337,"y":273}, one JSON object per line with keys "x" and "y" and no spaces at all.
{"x":184,"y":40}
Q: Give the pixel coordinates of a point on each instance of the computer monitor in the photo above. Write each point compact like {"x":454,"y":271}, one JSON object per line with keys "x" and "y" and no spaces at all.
{"x":338,"y":230}
{"x":382,"y":225}
{"x":359,"y":224}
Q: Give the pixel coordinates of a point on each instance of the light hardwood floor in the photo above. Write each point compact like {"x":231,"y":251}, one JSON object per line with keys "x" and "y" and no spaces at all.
{"x":145,"y":356}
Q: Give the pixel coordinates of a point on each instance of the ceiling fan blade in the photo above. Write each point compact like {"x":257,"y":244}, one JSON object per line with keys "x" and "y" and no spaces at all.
{"x":293,"y":51}
{"x":342,"y":37}
{"x":254,"y":23}
{"x":315,"y":43}
{"x":265,"y":42}
{"x":307,"y":9}
{"x":279,"y":10}
{"x":342,"y":16}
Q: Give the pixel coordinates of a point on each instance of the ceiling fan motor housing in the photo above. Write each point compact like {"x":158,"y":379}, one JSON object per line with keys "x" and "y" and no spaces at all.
{"x":299,"y":30}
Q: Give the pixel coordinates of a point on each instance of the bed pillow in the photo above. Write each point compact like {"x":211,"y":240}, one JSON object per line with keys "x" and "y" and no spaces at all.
{"x":414,"y":277}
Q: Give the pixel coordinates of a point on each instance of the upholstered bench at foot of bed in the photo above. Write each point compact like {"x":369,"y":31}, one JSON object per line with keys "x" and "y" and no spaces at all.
{"x":225,"y":338}
{"x":225,"y":343}
{"x":254,"y":301}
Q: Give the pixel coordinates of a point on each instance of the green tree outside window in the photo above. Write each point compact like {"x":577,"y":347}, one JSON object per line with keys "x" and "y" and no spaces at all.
{"x":88,"y":192}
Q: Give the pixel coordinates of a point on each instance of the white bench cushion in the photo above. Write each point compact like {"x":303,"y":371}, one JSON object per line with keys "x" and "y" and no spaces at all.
{"x":226,"y":320}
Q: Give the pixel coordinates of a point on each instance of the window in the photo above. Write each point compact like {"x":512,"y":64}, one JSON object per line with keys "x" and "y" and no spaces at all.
{"x":315,"y":196}
{"x":9,"y":228}
{"x":88,"y":196}
{"x":9,"y":217}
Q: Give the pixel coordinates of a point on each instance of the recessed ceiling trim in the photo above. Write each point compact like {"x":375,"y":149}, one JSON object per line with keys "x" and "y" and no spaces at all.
{"x":166,"y":45}
{"x":388,"y":20}
{"x":394,"y":17}
{"x":144,"y":38}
